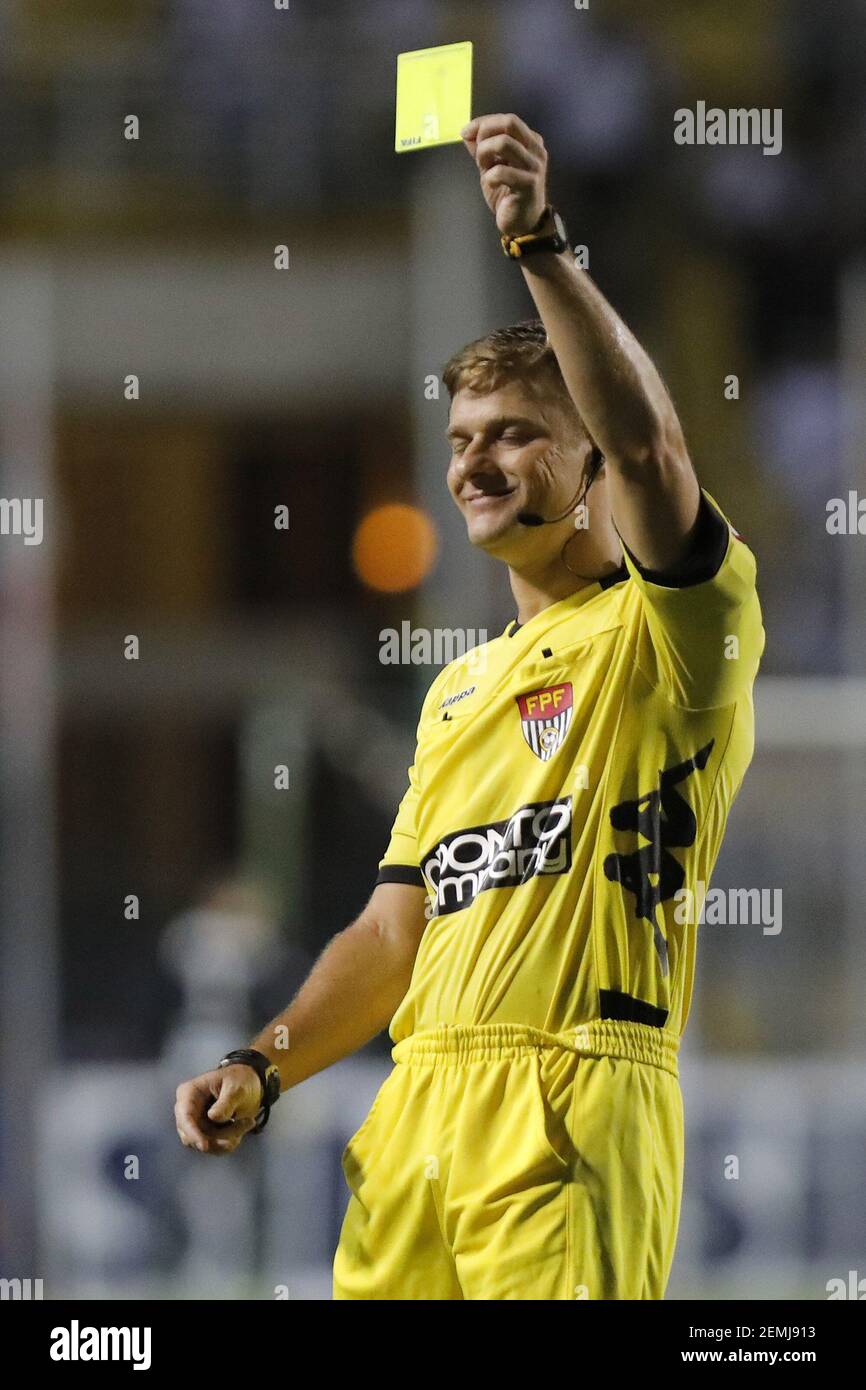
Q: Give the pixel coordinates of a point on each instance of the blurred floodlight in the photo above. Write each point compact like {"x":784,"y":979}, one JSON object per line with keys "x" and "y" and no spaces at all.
{"x":395,"y":548}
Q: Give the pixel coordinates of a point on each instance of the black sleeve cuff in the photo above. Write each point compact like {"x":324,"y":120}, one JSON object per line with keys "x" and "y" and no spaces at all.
{"x":401,"y":873}
{"x":709,"y":546}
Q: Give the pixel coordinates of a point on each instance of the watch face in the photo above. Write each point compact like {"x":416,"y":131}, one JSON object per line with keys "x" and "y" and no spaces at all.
{"x":560,"y":227}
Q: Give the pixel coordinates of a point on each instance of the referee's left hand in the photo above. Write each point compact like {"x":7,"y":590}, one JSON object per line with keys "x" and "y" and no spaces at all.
{"x":513,"y":164}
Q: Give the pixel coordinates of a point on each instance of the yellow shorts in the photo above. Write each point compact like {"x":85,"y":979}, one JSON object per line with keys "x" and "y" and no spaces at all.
{"x":504,"y":1162}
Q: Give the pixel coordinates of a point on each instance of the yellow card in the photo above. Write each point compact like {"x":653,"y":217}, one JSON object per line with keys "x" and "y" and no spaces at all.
{"x":434,"y":96}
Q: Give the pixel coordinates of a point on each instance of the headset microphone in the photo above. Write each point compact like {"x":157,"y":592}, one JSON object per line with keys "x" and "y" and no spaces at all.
{"x":533,"y":519}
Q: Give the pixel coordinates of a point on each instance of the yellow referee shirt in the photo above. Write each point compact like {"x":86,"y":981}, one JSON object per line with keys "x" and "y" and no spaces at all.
{"x":570,"y":777}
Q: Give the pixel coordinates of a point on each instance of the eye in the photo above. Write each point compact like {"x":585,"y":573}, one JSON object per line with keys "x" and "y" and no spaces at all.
{"x":458,"y":446}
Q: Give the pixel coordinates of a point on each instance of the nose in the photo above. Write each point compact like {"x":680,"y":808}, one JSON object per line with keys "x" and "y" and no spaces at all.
{"x":473,"y":460}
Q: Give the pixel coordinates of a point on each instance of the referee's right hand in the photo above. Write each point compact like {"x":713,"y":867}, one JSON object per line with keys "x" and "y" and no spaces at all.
{"x":214,"y":1111}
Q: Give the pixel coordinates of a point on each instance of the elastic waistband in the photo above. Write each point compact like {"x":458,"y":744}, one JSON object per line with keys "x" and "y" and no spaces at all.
{"x":450,"y":1042}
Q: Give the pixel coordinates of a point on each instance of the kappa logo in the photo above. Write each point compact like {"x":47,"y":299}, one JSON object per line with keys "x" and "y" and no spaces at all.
{"x":665,"y":820}
{"x":455,"y":699}
{"x":545,"y":718}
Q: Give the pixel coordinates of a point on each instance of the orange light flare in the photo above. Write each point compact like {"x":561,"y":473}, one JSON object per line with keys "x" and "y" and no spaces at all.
{"x":395,"y":548}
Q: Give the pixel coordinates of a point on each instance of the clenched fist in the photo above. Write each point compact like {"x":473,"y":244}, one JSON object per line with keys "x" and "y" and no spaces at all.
{"x":214,"y":1111}
{"x":513,"y":164}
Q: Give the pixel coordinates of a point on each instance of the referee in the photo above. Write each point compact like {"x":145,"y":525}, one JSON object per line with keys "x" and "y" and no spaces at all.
{"x":525,"y":940}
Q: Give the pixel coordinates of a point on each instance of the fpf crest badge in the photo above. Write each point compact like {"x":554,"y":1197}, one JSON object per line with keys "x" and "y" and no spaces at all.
{"x":545,"y":717}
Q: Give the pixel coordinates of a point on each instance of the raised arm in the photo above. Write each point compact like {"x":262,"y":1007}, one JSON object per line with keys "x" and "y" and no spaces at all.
{"x":654,"y":494}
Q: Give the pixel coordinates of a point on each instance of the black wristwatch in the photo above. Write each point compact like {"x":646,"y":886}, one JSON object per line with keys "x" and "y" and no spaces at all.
{"x":268,"y":1074}
{"x":539,"y":239}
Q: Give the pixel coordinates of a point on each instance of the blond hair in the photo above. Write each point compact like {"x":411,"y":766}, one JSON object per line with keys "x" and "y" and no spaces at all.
{"x":521,"y":353}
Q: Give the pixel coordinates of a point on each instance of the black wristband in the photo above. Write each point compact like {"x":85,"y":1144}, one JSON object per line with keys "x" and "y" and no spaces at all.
{"x":268,"y":1075}
{"x":517,"y":247}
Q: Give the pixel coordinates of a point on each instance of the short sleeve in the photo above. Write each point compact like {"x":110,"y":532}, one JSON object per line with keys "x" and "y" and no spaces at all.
{"x":698,"y":633}
{"x":401,"y":860}
{"x":399,"y":863}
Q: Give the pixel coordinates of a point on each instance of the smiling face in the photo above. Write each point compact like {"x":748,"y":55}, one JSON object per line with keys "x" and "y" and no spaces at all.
{"x":513,"y":453}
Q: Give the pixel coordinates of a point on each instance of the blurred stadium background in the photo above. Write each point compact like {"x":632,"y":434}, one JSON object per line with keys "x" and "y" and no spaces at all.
{"x":309,"y":388}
